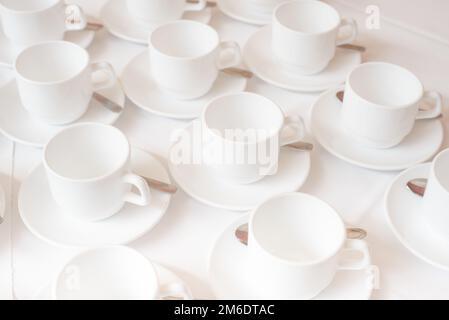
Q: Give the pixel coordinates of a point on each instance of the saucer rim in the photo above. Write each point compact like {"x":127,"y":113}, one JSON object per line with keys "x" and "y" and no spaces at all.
{"x":210,"y":203}
{"x":403,"y":240}
{"x":150,"y":109}
{"x":301,"y":89}
{"x":384,"y":168}
{"x":264,"y":19}
{"x":128,"y":38}
{"x":66,"y":245}
{"x":11,"y":137}
{"x":239,"y":221}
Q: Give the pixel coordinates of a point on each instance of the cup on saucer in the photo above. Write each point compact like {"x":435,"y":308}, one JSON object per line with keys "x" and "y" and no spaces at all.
{"x":27,"y":22}
{"x":112,"y":273}
{"x":296,"y":245}
{"x":382,"y":103}
{"x":89,"y":174}
{"x":243,"y":134}
{"x":435,"y":202}
{"x":55,"y":81}
{"x":187,"y":56}
{"x":159,"y":11}
{"x":305,"y":34}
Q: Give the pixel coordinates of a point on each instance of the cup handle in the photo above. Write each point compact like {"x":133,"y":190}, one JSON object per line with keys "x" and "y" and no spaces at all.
{"x":106,"y":67}
{"x":437,"y":109}
{"x":175,"y":291}
{"x":143,"y":198}
{"x":75,"y":18}
{"x":359,"y":264}
{"x":348,"y":22}
{"x":297,"y":128}
{"x":201,"y":5}
{"x":236,"y":58}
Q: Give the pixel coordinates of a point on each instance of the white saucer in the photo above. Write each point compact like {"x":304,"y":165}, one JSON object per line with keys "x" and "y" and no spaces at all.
{"x":261,"y":60}
{"x":83,"y":38}
{"x":18,"y":125}
{"x":143,"y":91}
{"x":197,"y":181}
{"x":165,"y":277}
{"x":121,"y":24}
{"x":44,"y":218}
{"x":409,"y":224}
{"x":241,"y":11}
{"x":2,"y":204}
{"x":227,"y":274}
{"x":421,"y":145}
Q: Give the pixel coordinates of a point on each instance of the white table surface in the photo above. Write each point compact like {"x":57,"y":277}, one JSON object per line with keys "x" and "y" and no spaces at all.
{"x":183,"y":239}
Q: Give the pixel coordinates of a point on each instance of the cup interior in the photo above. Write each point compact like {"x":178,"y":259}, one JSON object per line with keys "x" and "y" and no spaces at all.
{"x":87,"y":151}
{"x":385,"y":84}
{"x":307,"y":16}
{"x":441,"y":167}
{"x":28,"y":5}
{"x":107,"y":274}
{"x":51,"y":62}
{"x":243,"y":112}
{"x":184,"y":39}
{"x":298,"y":228}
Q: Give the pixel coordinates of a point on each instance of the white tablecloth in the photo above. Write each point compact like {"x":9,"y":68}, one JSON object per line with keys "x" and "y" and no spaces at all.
{"x":183,"y":239}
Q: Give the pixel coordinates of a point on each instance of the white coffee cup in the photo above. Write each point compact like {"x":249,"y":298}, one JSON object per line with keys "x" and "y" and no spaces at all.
{"x":112,"y":273}
{"x":382,"y":103}
{"x":89,"y":173}
{"x":305,"y":34}
{"x":27,"y":22}
{"x":296,"y":245}
{"x":243,"y":135}
{"x":55,"y":81}
{"x":186,"y":57}
{"x":435,"y":203}
{"x":157,"y":11}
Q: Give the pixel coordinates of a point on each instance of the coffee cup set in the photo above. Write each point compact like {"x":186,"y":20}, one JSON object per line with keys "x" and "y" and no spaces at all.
{"x":133,"y":20}
{"x":25,"y":23}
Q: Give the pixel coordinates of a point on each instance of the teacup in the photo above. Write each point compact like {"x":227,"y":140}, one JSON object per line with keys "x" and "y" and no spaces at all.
{"x":382,"y":103}
{"x":296,"y":245}
{"x":186,"y":57}
{"x":305,"y":34}
{"x":89,"y":174}
{"x":112,"y":273}
{"x":243,"y":134}
{"x":157,"y":11}
{"x":27,"y":22}
{"x":435,"y":203}
{"x":55,"y":81}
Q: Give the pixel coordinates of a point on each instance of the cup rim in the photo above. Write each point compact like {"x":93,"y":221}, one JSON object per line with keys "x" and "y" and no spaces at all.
{"x":213,"y":132}
{"x":150,"y":265}
{"x":185,"y":22}
{"x":443,"y":153}
{"x":296,"y":263}
{"x":27,"y":12}
{"x":277,"y":21}
{"x":47,"y":43}
{"x":387,"y":64}
{"x":94,"y":179}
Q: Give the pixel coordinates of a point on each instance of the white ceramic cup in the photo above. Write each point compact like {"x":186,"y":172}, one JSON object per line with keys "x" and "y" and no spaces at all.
{"x":27,"y":22}
{"x":55,"y":81}
{"x":243,"y":135}
{"x":186,"y":57}
{"x":435,"y":203}
{"x":297,"y":243}
{"x":157,"y":11}
{"x":89,"y":174}
{"x":382,"y":103}
{"x":112,"y":273}
{"x":305,"y":34}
